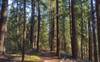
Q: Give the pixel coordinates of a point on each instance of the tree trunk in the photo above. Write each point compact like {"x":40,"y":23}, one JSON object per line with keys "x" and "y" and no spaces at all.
{"x":24,"y":32}
{"x":98,"y":23}
{"x":39,"y":19}
{"x":51,"y":27}
{"x":74,"y":42}
{"x":57,"y":28}
{"x":32,"y":23}
{"x":90,"y":41}
{"x":94,"y":33}
{"x":3,"y":26}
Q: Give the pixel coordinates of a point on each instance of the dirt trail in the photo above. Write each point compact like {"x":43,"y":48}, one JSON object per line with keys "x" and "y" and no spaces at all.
{"x":45,"y":56}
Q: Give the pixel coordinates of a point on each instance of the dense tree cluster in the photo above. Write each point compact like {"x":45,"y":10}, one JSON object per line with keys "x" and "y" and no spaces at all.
{"x":70,"y":26}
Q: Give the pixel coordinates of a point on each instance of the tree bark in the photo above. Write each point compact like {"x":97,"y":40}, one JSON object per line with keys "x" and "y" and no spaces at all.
{"x":74,"y":42}
{"x":32,"y":23}
{"x":51,"y":27}
{"x":39,"y":19}
{"x":90,"y":41}
{"x":98,"y":23}
{"x":57,"y":28}
{"x":3,"y":27}
{"x":24,"y":32}
{"x":94,"y":31}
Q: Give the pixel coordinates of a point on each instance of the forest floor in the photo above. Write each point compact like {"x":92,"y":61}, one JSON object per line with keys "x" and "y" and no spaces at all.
{"x":48,"y":56}
{"x":43,"y":56}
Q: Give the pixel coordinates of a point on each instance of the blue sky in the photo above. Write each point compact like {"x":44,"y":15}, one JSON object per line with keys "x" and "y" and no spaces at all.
{"x":9,"y":2}
{"x":0,"y":4}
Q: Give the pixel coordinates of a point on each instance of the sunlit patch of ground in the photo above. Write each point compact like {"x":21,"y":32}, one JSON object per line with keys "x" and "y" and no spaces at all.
{"x":17,"y":58}
{"x":32,"y":58}
{"x":28,"y":58}
{"x":59,"y":60}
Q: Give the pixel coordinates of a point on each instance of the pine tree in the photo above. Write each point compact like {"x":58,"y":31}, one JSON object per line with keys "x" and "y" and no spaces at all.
{"x":74,"y":42}
{"x":94,"y":33}
{"x":98,"y":23}
{"x":3,"y":27}
{"x":51,"y":27}
{"x":32,"y":23}
{"x":24,"y":31}
{"x":39,"y":21}
{"x":57,"y":28}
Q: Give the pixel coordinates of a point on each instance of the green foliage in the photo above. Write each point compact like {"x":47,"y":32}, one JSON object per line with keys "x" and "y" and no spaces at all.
{"x":15,"y":24}
{"x":44,"y":34}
